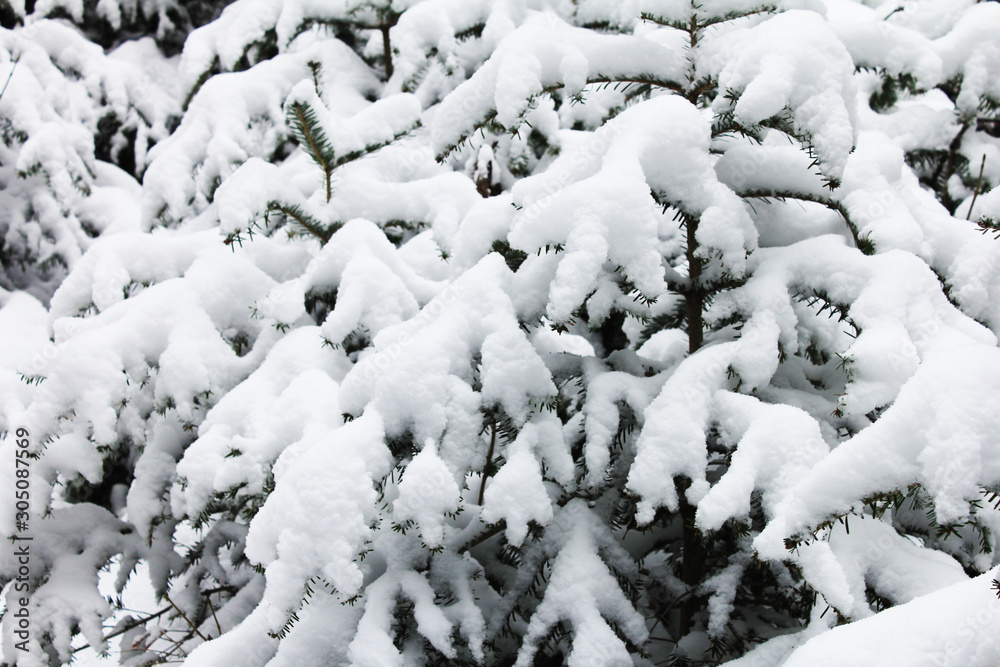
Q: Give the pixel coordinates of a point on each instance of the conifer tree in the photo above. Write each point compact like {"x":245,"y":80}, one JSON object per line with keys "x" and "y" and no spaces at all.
{"x":523,"y":333}
{"x":76,"y":127}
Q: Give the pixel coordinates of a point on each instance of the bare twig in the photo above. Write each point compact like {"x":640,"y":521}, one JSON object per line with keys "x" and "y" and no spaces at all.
{"x":979,"y":183}
{"x":9,"y":76}
{"x":184,"y":616}
{"x":208,"y":599}
{"x":489,"y":459}
{"x":135,"y":624}
{"x":482,"y":537}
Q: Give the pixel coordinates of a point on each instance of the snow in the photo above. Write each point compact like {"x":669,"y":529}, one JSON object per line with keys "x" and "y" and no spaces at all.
{"x":67,"y":549}
{"x":583,"y":592}
{"x":57,"y":194}
{"x":517,"y":494}
{"x":377,"y":441}
{"x":25,"y":349}
{"x":953,"y":626}
{"x":595,"y":200}
{"x":248,"y":429}
{"x":426,"y":493}
{"x":212,"y":141}
{"x":414,"y":385}
{"x":295,"y":539}
{"x":773,"y":447}
{"x":920,"y":438}
{"x":673,"y":440}
{"x":604,"y":391}
{"x":527,"y":62}
{"x":794,"y":60}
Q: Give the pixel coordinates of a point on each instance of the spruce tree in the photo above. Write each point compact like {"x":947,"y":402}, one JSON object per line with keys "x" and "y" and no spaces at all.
{"x":536,"y":333}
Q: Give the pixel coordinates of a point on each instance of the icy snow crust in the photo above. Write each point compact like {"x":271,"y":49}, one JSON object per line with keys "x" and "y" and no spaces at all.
{"x":360,"y":453}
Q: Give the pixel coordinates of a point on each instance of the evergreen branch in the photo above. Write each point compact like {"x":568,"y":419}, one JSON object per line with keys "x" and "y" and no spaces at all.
{"x":482,"y":537}
{"x":986,"y":226}
{"x":737,"y":14}
{"x":304,"y":220}
{"x":490,"y":116}
{"x":371,"y":148}
{"x":341,"y":28}
{"x":125,"y":628}
{"x":665,"y":22}
{"x":309,"y":133}
{"x":862,"y":243}
{"x":697,"y":25}
{"x":205,"y":76}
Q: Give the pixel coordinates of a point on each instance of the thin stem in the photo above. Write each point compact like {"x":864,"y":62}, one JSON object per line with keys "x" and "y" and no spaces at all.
{"x":385,"y":27}
{"x":128,"y":627}
{"x":979,"y":183}
{"x":945,"y":170}
{"x":208,"y":599}
{"x":184,"y":616}
{"x":829,"y":203}
{"x":9,"y":76}
{"x":489,"y":460}
{"x":694,"y":298}
{"x":482,"y":537}
{"x":693,"y":561}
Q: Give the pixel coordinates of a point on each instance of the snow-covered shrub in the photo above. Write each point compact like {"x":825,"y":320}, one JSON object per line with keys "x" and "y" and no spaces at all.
{"x":580,"y":333}
{"x":76,"y":124}
{"x":112,"y":22}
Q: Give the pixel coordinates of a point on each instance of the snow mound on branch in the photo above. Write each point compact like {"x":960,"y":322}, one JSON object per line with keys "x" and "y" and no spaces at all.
{"x":673,"y":441}
{"x":583,"y":592}
{"x":57,"y":196}
{"x":316,"y":521}
{"x":246,"y":27}
{"x":517,"y":493}
{"x":418,"y":377}
{"x":923,"y":438}
{"x":171,"y":346}
{"x":795,"y":61}
{"x":971,"y":50}
{"x":602,"y":416}
{"x":953,"y":627}
{"x":889,"y":205}
{"x":68,"y":548}
{"x":772,"y":447}
{"x":213,"y":138}
{"x":25,"y":350}
{"x":544,"y":52}
{"x":247,"y":430}
{"x":427,"y":492}
{"x":595,"y":200}
{"x":377,"y":123}
{"x":433,"y":54}
{"x":865,"y":553}
{"x":373,"y":644}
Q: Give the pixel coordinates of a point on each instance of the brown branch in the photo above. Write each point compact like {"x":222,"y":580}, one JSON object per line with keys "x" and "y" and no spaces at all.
{"x":123,"y":630}
{"x":208,"y":599}
{"x":829,"y":203}
{"x":385,"y":27}
{"x":482,"y":537}
{"x":489,"y":458}
{"x":187,"y":620}
{"x":979,"y":183}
